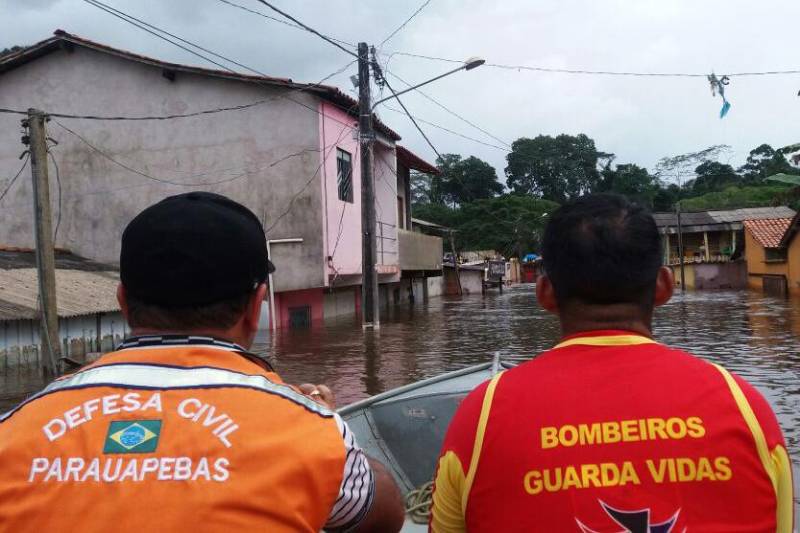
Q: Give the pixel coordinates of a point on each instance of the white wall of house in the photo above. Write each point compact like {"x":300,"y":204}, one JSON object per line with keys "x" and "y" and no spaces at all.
{"x":269,"y":153}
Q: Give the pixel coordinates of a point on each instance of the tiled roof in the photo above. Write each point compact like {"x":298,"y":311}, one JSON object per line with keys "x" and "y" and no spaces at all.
{"x":768,"y":233}
{"x":413,"y":161}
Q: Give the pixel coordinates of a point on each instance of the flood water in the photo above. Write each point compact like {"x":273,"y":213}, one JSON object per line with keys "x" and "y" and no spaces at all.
{"x":756,"y":336}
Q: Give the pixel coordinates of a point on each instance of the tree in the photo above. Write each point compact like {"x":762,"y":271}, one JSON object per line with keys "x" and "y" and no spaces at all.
{"x":554,"y":168}
{"x":764,"y":161}
{"x":631,"y":181}
{"x":465,"y":180}
{"x":713,"y":176}
{"x":680,"y":170}
{"x":511,"y":224}
{"x":425,"y":189}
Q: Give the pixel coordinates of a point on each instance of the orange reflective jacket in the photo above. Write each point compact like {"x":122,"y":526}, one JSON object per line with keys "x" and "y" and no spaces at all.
{"x":177,"y":434}
{"x":613,"y":432}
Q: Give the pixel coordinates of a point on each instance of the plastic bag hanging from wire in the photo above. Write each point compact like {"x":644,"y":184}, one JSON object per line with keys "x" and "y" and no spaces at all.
{"x":718,"y":86}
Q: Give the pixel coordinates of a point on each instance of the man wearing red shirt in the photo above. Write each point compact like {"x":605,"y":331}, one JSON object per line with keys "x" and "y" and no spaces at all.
{"x":610,"y":431}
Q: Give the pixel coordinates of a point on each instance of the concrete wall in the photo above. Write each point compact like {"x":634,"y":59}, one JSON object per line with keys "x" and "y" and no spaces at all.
{"x":20,"y":343}
{"x":757,"y":267}
{"x":341,"y":302}
{"x":435,"y":286}
{"x":270,"y":153}
{"x":419,"y":251}
{"x":709,"y":276}
{"x":343,"y":220}
{"x":471,"y":281}
{"x":386,"y":212}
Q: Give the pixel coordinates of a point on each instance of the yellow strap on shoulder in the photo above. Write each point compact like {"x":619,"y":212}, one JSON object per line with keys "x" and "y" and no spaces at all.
{"x":483,"y":420}
{"x":776,"y":463}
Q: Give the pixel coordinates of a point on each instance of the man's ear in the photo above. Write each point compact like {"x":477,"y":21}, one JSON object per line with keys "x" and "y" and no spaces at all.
{"x":122,"y":300}
{"x":253,"y":311}
{"x":546,"y":294}
{"x":665,"y":286}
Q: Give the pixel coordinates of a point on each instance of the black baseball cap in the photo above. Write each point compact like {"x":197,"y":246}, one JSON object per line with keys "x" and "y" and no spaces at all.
{"x":196,"y":248}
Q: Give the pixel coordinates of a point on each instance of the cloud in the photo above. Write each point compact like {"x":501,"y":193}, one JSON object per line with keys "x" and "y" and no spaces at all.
{"x":639,"y":119}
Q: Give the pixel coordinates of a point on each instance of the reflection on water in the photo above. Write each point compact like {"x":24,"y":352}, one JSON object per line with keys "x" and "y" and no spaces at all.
{"x":755,"y":336}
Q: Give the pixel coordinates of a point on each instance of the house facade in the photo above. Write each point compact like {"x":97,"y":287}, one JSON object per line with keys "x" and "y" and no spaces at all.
{"x":773,"y":255}
{"x":288,"y":151}
{"x":714,"y":245}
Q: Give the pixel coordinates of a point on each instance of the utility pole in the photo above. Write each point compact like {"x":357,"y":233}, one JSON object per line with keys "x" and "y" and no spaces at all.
{"x":680,"y":246}
{"x":45,"y":252}
{"x":370,"y":305}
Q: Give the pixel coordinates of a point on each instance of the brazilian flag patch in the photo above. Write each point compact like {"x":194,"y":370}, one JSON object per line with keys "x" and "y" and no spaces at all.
{"x":132,"y":436}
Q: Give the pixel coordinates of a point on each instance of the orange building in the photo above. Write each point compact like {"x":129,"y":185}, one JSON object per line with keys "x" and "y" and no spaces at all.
{"x":773,"y":255}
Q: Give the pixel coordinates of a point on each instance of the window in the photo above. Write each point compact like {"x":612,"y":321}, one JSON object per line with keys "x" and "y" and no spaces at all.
{"x":774,"y":254}
{"x":300,"y":317}
{"x":344,"y":175}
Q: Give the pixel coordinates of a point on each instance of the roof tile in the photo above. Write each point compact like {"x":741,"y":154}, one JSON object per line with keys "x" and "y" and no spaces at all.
{"x":768,"y":233}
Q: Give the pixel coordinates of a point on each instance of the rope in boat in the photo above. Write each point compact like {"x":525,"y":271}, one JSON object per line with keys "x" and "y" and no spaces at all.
{"x":419,"y":502}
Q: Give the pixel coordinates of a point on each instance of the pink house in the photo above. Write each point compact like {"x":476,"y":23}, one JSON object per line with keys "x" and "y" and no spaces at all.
{"x":287,"y":150}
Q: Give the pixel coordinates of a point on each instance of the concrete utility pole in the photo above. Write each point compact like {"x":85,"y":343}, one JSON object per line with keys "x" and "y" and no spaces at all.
{"x":680,"y":247}
{"x":45,"y":251}
{"x":370,"y":305}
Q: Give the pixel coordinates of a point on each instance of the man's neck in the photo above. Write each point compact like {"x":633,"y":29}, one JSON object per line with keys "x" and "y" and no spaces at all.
{"x":621,"y":317}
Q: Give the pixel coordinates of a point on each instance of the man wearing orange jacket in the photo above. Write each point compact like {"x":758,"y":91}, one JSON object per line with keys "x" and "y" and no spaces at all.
{"x":182,"y":429}
{"x":610,"y":430}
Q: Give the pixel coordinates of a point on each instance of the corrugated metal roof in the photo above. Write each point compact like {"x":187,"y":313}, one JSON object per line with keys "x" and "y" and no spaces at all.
{"x":768,"y":233}
{"x":730,"y":216}
{"x":16,"y":257}
{"x":77,"y":293}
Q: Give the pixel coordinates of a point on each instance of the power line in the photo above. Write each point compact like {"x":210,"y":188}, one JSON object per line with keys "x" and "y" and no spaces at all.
{"x":413,"y":120}
{"x":147,"y":117}
{"x":142,"y":25}
{"x":405,"y":23}
{"x":438,"y":126}
{"x":276,"y":19}
{"x":603,"y":72}
{"x":176,"y":183}
{"x":309,"y":28}
{"x":11,"y":182}
{"x":468,"y":122}
{"x":310,"y":180}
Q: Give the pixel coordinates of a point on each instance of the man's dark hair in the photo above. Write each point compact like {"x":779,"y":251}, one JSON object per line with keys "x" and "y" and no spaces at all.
{"x":602,"y":249}
{"x":218,"y":315}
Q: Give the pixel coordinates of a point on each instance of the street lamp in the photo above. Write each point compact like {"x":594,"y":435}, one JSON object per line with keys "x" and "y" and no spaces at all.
{"x":370,"y":305}
{"x":469,"y":64}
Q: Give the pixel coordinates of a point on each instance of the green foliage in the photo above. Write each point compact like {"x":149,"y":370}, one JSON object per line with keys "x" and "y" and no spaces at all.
{"x":713,"y":176}
{"x":764,"y":161}
{"x":554,"y":168}
{"x":463,"y":180}
{"x":510,"y":224}
{"x":736,"y":197}
{"x":631,"y":181}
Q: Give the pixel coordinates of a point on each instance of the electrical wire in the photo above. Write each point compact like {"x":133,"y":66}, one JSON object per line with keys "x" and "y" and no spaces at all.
{"x":276,"y":19}
{"x":462,"y":119}
{"x":146,"y":27}
{"x":308,"y":28}
{"x":603,"y":72}
{"x":151,"y":117}
{"x":12,"y":180}
{"x":413,"y":120}
{"x":143,"y":174}
{"x":405,"y":23}
{"x":438,"y":126}
{"x":306,"y":185}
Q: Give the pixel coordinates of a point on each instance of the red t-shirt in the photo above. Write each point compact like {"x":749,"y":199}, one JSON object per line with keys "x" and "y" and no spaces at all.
{"x":610,"y":431}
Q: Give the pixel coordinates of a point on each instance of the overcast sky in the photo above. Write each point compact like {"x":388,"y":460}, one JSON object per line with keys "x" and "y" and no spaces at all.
{"x":640,"y":119}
